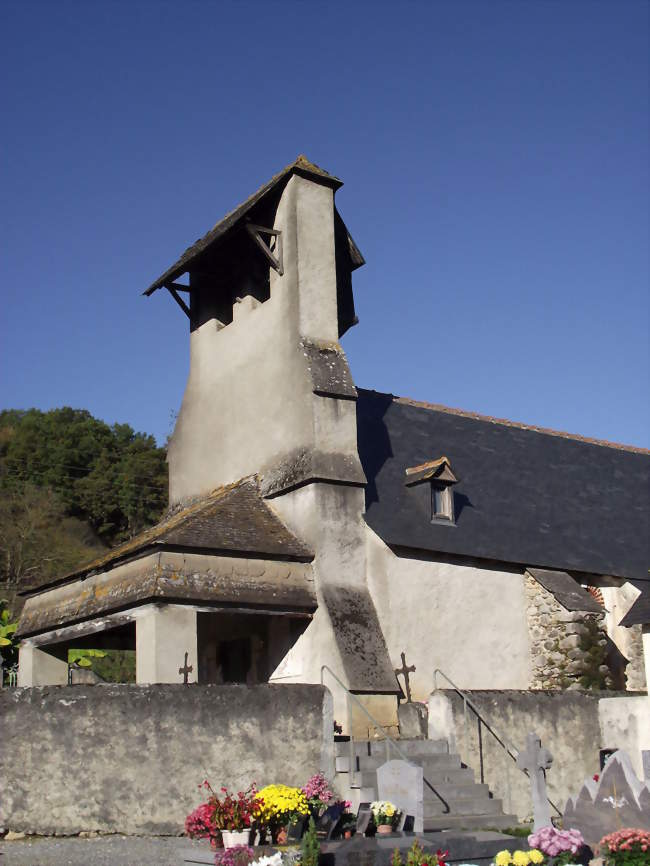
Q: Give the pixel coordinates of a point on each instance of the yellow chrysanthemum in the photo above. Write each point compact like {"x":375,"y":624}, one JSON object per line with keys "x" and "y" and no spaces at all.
{"x":280,"y":802}
{"x":535,"y":856}
{"x":502,"y":858}
{"x":521,"y":858}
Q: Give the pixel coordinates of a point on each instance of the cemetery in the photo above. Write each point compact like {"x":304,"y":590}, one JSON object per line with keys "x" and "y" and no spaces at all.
{"x":333,"y":534}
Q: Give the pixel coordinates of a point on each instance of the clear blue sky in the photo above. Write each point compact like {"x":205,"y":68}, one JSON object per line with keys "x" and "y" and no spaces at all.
{"x":495,"y":159}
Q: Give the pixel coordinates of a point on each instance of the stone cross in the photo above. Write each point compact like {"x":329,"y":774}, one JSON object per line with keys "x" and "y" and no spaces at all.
{"x":535,"y":760}
{"x":405,"y":670}
{"x":185,"y":670}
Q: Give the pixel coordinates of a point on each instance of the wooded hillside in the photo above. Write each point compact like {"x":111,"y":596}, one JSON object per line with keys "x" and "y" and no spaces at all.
{"x":70,"y":485}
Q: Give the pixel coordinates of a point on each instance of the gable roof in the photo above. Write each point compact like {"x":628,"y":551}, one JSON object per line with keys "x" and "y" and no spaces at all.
{"x":233,"y":519}
{"x":525,"y":496}
{"x":301,"y":166}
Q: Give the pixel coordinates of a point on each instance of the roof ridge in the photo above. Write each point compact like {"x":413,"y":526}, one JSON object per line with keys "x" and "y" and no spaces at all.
{"x":465,"y":413}
{"x":300,"y":164}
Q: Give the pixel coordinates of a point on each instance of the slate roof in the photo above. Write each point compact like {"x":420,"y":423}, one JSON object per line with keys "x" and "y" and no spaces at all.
{"x":639,"y":613}
{"x":300,"y":166}
{"x":566,"y":590}
{"x":525,"y":496}
{"x":233,"y":519}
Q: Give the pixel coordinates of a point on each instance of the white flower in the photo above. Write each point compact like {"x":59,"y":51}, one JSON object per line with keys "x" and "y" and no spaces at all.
{"x":272,"y":860}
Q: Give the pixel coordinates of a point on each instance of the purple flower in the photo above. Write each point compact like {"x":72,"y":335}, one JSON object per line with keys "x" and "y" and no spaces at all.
{"x":238,"y":855}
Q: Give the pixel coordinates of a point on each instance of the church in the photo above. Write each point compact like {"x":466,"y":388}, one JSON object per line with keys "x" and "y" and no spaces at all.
{"x":316,"y":531}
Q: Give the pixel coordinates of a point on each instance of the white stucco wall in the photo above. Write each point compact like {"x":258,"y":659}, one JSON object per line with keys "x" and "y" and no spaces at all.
{"x":619,"y":597}
{"x":248,"y":403}
{"x":625,"y":724}
{"x":470,"y":622}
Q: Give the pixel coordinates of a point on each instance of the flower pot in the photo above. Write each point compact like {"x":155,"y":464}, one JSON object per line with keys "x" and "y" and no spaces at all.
{"x":281,"y":836}
{"x":383,"y":829}
{"x":235,"y":837}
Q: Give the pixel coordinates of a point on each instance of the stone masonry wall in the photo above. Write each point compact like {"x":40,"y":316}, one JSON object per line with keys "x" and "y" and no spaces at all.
{"x":129,"y":758}
{"x":567,"y":647}
{"x":635,"y":670}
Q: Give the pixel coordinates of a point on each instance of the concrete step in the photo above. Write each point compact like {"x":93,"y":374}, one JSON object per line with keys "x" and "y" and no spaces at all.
{"x":430,"y":763}
{"x":485,"y":821}
{"x":356,"y":796}
{"x":469,"y":806}
{"x":461,"y":776}
{"x":457,"y":791}
{"x":415,"y":748}
{"x":342,"y":764}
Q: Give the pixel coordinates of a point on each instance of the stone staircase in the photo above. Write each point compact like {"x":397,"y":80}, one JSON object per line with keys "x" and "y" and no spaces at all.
{"x":470,"y":804}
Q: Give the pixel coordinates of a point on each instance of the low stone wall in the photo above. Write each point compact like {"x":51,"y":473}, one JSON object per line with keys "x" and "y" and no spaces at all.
{"x":129,"y":758}
{"x":566,"y":721}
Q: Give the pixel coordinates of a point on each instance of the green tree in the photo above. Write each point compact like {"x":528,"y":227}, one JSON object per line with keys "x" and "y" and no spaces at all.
{"x":310,"y":846}
{"x":71,"y":485}
{"x":8,"y":626}
{"x":111,"y":477}
{"x":37,"y":541}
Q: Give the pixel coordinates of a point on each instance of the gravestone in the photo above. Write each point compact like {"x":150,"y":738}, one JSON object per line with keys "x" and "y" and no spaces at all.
{"x":413,"y":721}
{"x":295,"y":829}
{"x":401,"y":783}
{"x":618,"y":799}
{"x":364,"y":817}
{"x":327,"y":823}
{"x":535,"y":761}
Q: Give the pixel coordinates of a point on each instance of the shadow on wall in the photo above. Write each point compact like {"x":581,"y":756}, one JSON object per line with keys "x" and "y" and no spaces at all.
{"x":373,"y":440}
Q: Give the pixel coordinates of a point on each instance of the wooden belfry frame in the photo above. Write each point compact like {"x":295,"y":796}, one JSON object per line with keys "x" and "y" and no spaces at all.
{"x":274,"y":256}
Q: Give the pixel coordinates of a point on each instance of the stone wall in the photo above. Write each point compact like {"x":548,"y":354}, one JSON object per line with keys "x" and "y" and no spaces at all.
{"x":635,"y":670}
{"x":566,"y":646}
{"x":128,"y":758}
{"x":567,"y":722}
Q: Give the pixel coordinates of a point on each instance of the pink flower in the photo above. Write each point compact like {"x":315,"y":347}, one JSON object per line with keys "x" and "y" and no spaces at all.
{"x":317,"y":788}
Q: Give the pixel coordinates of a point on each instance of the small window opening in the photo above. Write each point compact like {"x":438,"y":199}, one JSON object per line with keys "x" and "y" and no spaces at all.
{"x":442,"y":507}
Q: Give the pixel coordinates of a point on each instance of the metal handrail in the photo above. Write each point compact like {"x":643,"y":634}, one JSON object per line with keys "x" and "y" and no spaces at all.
{"x":509,"y":749}
{"x":390,"y":740}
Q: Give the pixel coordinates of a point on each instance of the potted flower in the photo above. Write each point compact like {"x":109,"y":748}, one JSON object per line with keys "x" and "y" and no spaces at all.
{"x":519,"y":858}
{"x":318,"y":794}
{"x":561,"y":845}
{"x":235,"y":814}
{"x":199,"y":824}
{"x":627,"y":847}
{"x":280,"y":805}
{"x":237,"y":855}
{"x":385,"y":815}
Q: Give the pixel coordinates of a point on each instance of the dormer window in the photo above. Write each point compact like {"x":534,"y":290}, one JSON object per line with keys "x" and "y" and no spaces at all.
{"x":437,"y":474}
{"x":442,"y":502}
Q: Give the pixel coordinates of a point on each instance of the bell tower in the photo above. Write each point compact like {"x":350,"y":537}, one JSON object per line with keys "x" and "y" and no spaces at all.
{"x":268,"y":293}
